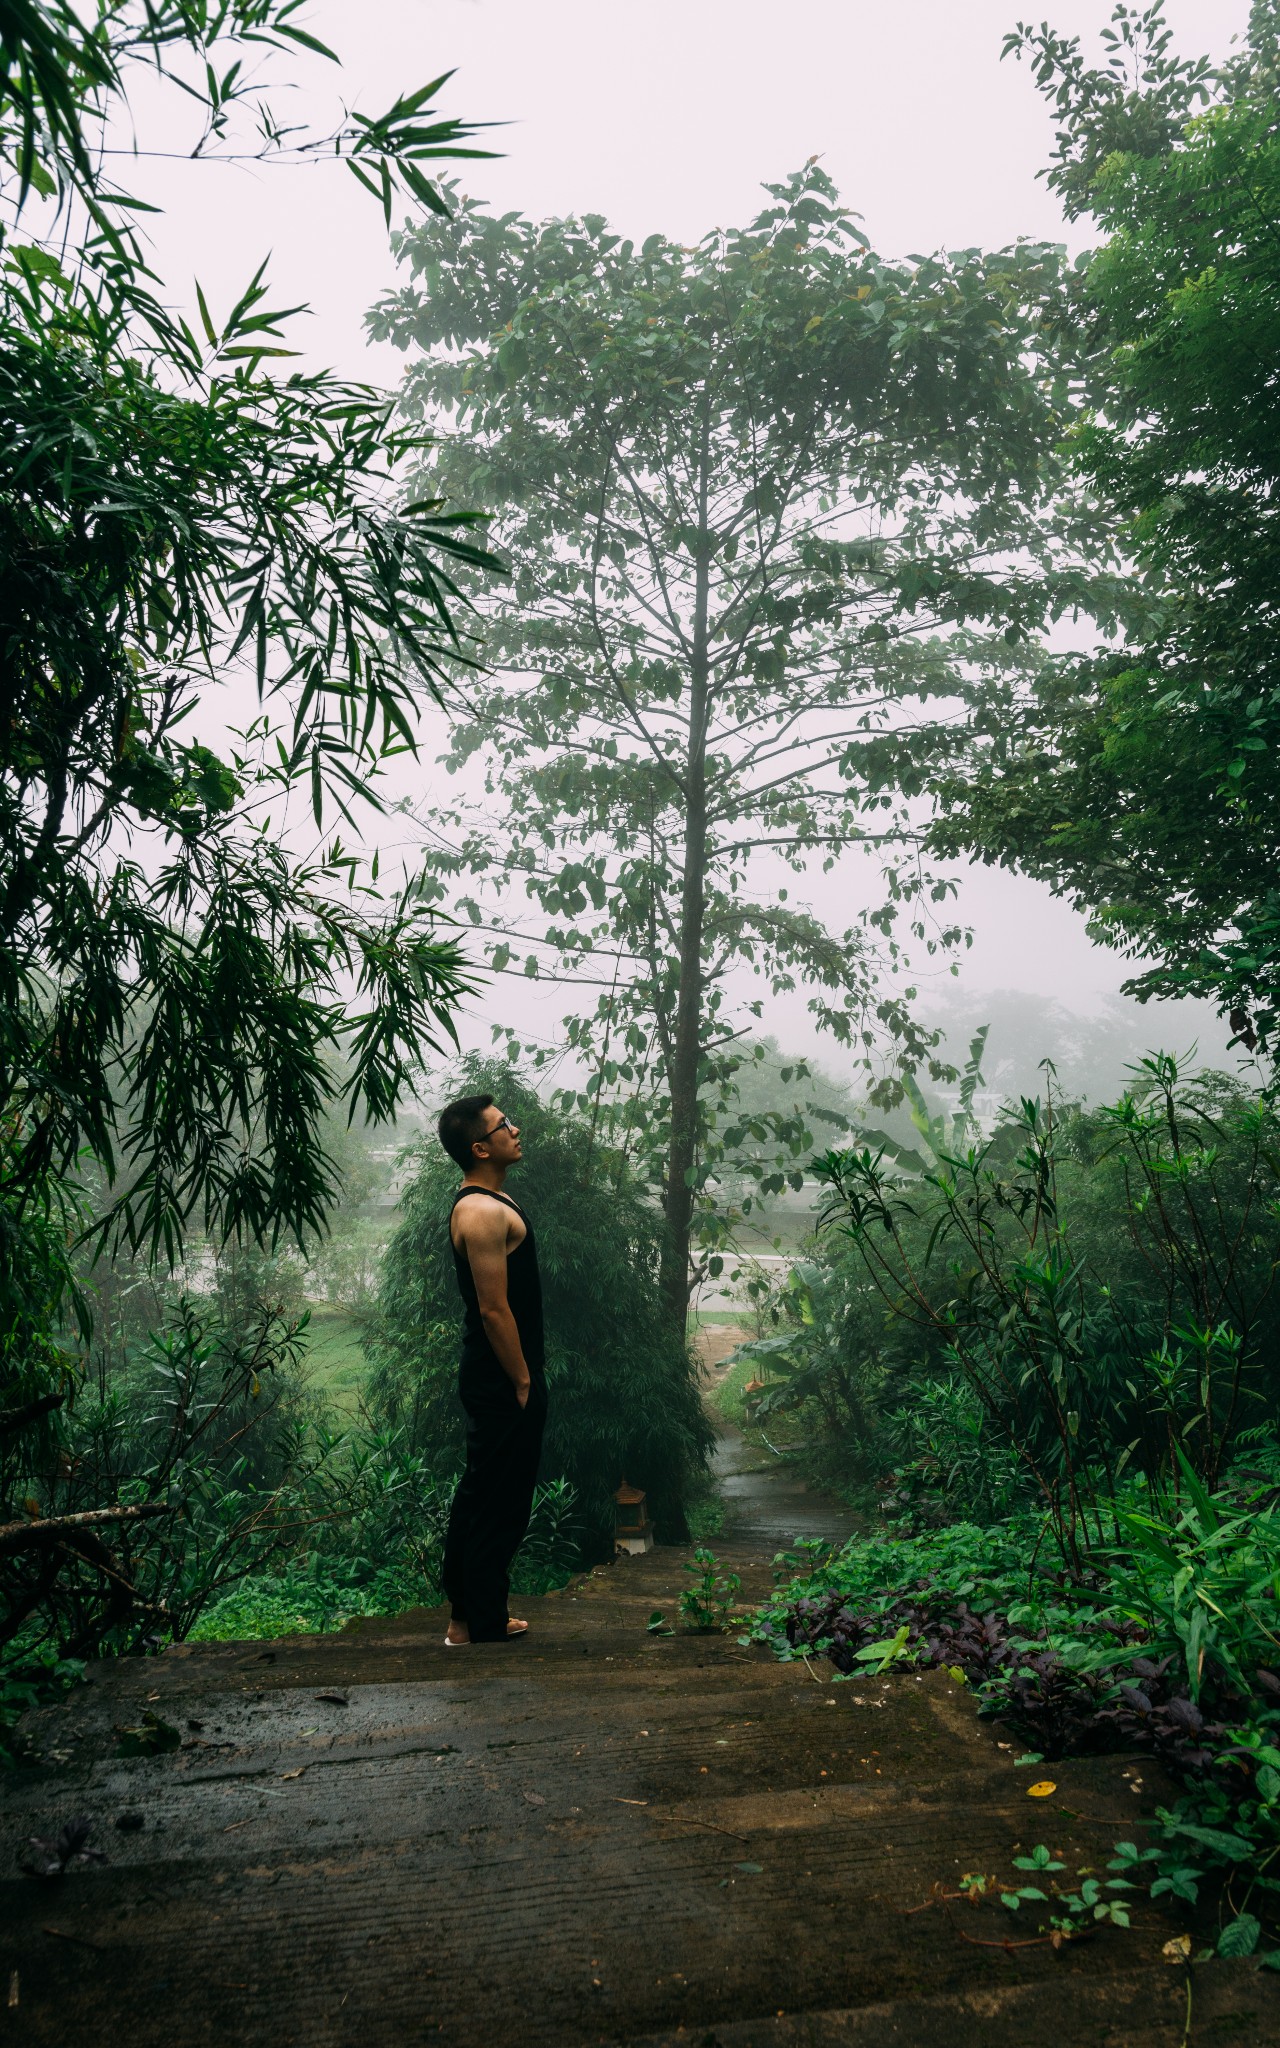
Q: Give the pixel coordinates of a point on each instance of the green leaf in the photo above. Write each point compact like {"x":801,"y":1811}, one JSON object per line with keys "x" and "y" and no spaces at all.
{"x":1240,"y":1936}
{"x":880,"y":1656}
{"x":151,"y":1737}
{"x":306,"y":40}
{"x":206,"y":319}
{"x":1236,"y":1848}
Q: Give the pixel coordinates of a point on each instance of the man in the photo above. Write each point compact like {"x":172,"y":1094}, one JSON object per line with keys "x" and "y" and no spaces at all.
{"x":501,"y":1379}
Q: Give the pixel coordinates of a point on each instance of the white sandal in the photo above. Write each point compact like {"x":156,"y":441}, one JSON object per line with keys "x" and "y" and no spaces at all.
{"x":512,"y":1636}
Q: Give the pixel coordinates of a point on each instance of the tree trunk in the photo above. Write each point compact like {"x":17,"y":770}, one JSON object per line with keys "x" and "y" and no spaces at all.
{"x":682,"y":1150}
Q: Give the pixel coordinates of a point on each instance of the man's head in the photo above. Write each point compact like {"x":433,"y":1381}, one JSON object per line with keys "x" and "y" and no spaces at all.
{"x":474,"y":1132}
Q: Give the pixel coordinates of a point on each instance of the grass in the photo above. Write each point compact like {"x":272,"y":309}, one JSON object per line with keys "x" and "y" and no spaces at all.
{"x":338,"y":1365}
{"x":727,"y":1396}
{"x":260,"y":1610}
{"x":704,"y":1510}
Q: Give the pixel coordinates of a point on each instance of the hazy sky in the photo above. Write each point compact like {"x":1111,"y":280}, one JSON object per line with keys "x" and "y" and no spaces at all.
{"x":670,"y":116}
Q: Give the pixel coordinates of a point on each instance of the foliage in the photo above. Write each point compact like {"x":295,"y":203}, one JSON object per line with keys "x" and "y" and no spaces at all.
{"x":810,"y":1356}
{"x":1137,"y":104}
{"x":1093,"y":1052}
{"x":359,"y":1576}
{"x":65,"y":76}
{"x":1139,"y":778}
{"x":193,"y":537}
{"x":1077,"y":1913}
{"x":243,"y":517}
{"x":704,"y":1511}
{"x":1090,"y":1664}
{"x":29,"y":1682}
{"x":946,"y":1449}
{"x":1081,"y":1378}
{"x":825,"y":1370}
{"x":343,"y":1266}
{"x":623,"y":1389}
{"x":984,"y":1568}
{"x":818,"y":1350}
{"x":739,"y":486}
{"x":775,"y":1103}
{"x":707,"y":1605}
{"x":1093,"y":1299}
{"x":241,"y":1506}
{"x":1198,"y":1577}
{"x":939,"y":1134}
{"x":201,"y":1449}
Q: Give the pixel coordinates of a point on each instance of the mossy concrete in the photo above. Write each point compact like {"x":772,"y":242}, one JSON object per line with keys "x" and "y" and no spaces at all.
{"x":597,"y":1835}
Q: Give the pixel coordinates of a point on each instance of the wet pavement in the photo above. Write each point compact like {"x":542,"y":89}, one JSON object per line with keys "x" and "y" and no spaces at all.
{"x":766,"y":1503}
{"x":599,"y":1835}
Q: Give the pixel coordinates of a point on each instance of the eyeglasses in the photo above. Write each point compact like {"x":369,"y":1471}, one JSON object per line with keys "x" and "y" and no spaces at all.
{"x":504,"y":1123}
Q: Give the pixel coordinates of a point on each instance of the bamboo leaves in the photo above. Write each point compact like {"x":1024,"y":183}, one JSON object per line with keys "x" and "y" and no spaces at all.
{"x":175,"y":515}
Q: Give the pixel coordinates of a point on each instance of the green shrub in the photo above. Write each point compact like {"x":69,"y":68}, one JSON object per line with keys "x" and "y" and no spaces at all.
{"x":1201,"y":1575}
{"x":384,"y":1564}
{"x":1074,"y":1300}
{"x":624,"y":1396}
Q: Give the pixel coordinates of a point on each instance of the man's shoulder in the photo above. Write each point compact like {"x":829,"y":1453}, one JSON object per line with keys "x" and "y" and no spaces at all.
{"x":482,"y":1214}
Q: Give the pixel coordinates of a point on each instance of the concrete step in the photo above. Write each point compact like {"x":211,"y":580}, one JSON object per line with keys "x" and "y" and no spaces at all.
{"x":1230,"y":2005}
{"x":594,"y":1836}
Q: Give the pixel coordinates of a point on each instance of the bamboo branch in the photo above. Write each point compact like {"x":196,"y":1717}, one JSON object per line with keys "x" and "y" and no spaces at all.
{"x":43,"y":1531}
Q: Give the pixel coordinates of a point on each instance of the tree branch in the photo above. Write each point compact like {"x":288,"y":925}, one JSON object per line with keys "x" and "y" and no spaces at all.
{"x":43,"y":1532}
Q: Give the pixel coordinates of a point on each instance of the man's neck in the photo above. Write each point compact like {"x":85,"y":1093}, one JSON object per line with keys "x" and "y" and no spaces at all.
{"x":485,"y":1174}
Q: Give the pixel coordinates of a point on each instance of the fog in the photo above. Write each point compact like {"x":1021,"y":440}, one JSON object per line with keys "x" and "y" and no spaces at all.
{"x":670,"y":118}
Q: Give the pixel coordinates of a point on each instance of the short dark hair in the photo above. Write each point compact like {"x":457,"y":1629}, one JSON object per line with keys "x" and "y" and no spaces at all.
{"x":460,"y":1127}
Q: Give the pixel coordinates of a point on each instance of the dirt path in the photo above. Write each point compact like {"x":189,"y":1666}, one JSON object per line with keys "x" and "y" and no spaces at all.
{"x":598,"y":1835}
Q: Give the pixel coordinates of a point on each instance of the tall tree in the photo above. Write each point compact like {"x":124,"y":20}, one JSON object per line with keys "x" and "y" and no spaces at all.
{"x":1140,"y":778}
{"x":736,"y":485}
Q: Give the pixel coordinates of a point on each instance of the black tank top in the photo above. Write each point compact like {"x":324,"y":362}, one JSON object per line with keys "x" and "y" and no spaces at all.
{"x":524,"y":1297}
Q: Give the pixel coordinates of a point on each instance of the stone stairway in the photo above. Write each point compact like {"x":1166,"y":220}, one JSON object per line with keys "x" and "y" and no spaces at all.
{"x":594,"y":1836}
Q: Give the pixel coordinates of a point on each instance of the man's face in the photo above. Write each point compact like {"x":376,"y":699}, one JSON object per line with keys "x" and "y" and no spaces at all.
{"x":501,"y":1141}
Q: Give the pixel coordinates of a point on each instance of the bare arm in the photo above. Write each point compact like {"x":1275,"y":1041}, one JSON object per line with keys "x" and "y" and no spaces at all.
{"x":484,"y":1239}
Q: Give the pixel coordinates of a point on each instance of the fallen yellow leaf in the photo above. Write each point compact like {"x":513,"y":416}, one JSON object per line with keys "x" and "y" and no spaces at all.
{"x":292,"y":1774}
{"x":1042,"y":1790}
{"x":1177,"y":1950}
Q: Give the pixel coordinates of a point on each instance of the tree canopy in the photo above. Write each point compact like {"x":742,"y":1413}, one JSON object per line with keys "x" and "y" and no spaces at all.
{"x":179,"y":515}
{"x":739,"y":488}
{"x":1140,"y":778}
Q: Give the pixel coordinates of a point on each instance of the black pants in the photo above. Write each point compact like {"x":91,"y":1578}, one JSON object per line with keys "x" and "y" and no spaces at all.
{"x":490,"y":1511}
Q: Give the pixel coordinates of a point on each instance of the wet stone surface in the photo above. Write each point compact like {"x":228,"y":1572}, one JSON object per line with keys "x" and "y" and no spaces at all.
{"x":765,"y":1504}
{"x":596,"y":1835}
